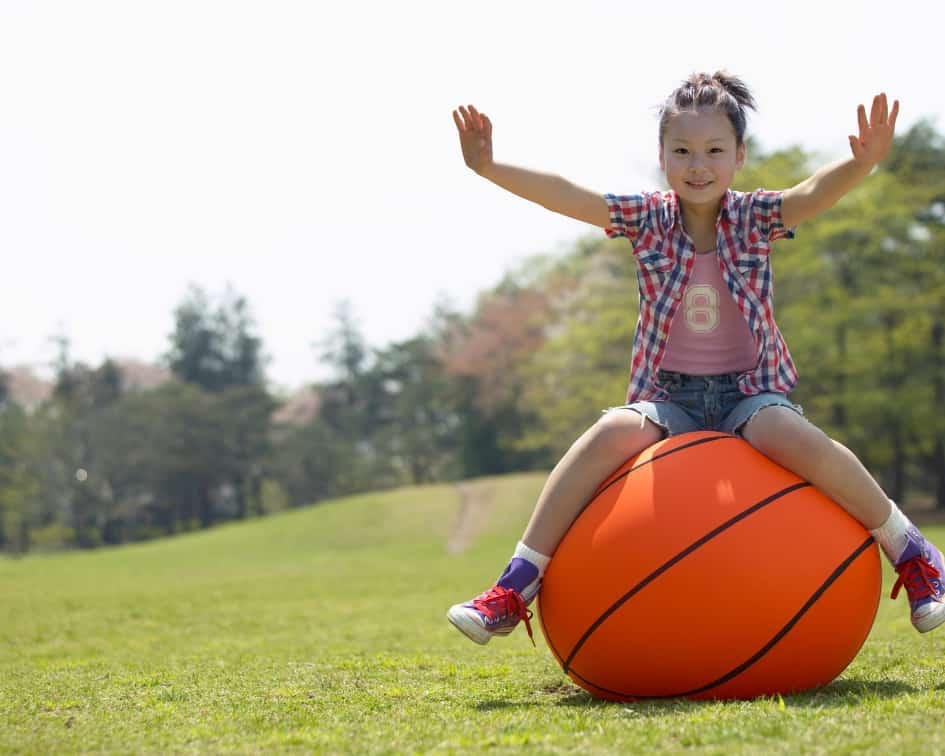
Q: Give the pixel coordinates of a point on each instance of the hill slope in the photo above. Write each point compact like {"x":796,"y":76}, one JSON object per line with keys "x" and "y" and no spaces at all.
{"x":97,"y":647}
{"x":323,"y":630}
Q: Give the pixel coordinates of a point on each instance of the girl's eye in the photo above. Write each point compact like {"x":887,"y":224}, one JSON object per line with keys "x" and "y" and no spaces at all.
{"x":681,"y":151}
{"x":716,"y":150}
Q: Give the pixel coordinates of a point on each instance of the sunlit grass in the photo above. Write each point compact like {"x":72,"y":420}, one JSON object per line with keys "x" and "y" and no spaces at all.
{"x":323,"y":630}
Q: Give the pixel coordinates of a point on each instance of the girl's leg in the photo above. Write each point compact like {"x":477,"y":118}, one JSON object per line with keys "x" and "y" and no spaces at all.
{"x":611,"y":441}
{"x":796,"y":444}
{"x":804,"y":449}
{"x":617,"y":436}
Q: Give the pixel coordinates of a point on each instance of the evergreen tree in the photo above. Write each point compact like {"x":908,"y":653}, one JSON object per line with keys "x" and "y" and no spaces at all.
{"x":5,"y":395}
{"x":215,"y":348}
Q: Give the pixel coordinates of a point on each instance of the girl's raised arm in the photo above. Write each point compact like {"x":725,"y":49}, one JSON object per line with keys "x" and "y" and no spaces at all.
{"x":545,"y":189}
{"x":822,"y":190}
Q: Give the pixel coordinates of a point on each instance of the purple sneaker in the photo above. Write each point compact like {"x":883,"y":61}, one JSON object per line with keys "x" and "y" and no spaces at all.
{"x":495,"y":612}
{"x":921,"y":570}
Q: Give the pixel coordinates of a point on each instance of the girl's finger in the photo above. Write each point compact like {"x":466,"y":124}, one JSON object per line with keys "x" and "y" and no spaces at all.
{"x":476,"y":119}
{"x":459,"y":122}
{"x":472,"y":120}
{"x":885,"y":114}
{"x":488,"y":125}
{"x":861,"y":119}
{"x":855,"y":146}
{"x":894,"y":115}
{"x":876,"y":110}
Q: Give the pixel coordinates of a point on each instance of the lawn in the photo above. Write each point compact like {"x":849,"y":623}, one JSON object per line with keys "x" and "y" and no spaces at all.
{"x":323,"y":630}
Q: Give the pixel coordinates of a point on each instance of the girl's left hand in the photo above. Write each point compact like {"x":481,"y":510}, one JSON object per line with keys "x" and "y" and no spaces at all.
{"x":876,"y":135}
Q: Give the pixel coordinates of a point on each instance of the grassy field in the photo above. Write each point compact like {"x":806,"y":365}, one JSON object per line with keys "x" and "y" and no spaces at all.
{"x":323,"y":630}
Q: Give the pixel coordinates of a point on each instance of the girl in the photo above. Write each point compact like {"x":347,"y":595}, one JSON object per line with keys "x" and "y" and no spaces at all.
{"x":707,"y":353}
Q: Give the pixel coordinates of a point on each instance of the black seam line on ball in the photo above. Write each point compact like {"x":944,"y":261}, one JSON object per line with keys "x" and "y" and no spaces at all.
{"x":815,"y":597}
{"x":673,"y":560}
{"x":721,"y":437}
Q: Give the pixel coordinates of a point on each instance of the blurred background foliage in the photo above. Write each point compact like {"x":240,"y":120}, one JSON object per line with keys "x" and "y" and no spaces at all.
{"x":860,"y":297}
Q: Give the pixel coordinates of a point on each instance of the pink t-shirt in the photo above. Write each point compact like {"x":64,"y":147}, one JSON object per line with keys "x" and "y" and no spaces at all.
{"x":709,"y":335}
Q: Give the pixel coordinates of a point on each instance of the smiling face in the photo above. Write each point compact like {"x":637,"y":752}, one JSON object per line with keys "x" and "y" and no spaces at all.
{"x":700,"y":155}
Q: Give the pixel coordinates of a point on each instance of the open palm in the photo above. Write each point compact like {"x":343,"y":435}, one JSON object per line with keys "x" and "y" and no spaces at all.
{"x":876,"y":134}
{"x":475,"y":136}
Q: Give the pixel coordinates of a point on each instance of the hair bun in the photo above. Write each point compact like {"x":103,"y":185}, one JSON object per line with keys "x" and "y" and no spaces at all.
{"x":720,"y":90}
{"x":735,"y":87}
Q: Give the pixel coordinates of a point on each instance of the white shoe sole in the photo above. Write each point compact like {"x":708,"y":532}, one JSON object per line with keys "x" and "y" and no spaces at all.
{"x":930,"y":620}
{"x":472,"y":629}
{"x":468,"y":626}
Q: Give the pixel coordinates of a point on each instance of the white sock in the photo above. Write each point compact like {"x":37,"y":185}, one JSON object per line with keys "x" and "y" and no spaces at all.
{"x":539,"y":560}
{"x":515,"y":578}
{"x":891,"y":535}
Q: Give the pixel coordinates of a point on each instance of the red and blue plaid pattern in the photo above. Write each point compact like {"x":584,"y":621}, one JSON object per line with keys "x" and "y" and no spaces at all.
{"x":746,"y":226}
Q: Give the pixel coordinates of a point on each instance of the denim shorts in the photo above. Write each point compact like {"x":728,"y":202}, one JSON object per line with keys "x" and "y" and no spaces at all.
{"x":705,"y":402}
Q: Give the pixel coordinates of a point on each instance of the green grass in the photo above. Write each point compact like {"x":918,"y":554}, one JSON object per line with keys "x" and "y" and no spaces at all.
{"x":323,"y":630}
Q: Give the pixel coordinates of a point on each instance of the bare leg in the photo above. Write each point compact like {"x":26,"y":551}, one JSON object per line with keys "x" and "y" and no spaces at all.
{"x":617,"y":436}
{"x":607,"y":444}
{"x":794,"y":443}
{"x":804,"y":449}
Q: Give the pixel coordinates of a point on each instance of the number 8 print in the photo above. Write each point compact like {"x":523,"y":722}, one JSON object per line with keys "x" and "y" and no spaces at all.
{"x":702,"y":308}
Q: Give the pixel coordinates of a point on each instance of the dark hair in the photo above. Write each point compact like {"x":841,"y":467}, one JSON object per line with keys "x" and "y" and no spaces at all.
{"x":721,"y":90}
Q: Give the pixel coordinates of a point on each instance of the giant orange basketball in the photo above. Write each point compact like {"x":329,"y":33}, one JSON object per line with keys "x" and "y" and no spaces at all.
{"x":702,"y":569}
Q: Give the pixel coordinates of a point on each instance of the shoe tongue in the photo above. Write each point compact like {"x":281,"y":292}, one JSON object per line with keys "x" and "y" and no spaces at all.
{"x":518,"y":575}
{"x":912,"y":550}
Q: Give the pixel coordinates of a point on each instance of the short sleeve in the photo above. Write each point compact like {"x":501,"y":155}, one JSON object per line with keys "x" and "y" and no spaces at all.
{"x":626,"y":213}
{"x":766,"y":215}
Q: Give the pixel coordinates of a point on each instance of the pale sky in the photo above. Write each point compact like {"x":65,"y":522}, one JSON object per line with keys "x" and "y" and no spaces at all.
{"x":305,"y":153}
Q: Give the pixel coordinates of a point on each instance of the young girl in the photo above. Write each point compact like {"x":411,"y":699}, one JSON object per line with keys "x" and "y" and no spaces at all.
{"x":707,"y":353}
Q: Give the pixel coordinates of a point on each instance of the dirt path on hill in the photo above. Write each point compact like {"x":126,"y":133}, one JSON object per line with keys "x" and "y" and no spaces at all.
{"x":476,"y":499}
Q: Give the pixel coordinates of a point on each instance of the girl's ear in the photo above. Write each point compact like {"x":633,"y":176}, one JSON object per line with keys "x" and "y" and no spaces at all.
{"x":740,"y":154}
{"x":662,"y":160}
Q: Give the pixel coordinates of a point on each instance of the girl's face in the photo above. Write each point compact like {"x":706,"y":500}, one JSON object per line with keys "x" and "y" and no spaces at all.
{"x":699,"y":155}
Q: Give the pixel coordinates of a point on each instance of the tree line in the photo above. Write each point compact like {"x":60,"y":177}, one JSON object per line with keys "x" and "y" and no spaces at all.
{"x":860,"y":297}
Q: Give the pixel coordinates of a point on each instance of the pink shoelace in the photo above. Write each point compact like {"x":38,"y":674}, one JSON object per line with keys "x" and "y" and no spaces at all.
{"x":498,"y":603}
{"x":916,"y":575}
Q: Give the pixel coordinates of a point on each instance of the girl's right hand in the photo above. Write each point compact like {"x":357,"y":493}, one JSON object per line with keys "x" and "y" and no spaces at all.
{"x":475,"y":137}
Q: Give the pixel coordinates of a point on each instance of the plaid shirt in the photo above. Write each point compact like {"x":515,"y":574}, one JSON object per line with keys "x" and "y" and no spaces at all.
{"x":745,"y":228}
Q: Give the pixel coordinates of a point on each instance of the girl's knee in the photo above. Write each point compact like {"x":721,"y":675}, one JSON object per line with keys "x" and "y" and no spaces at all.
{"x":777,"y":427}
{"x":624,"y":432}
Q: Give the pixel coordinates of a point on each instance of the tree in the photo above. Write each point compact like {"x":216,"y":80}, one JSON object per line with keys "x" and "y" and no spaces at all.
{"x":218,"y":351}
{"x":72,"y":420}
{"x":306,"y":461}
{"x":416,"y":421}
{"x":19,"y":478}
{"x":187,"y":463}
{"x":352,"y":408}
{"x":215,"y":348}
{"x":244,"y":418}
{"x":483,"y":356}
{"x":581,"y":367}
{"x":916,"y":161}
{"x":344,"y":350}
{"x":5,"y":397}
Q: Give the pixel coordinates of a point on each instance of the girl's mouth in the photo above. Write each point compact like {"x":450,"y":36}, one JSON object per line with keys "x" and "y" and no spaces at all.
{"x":698,"y":184}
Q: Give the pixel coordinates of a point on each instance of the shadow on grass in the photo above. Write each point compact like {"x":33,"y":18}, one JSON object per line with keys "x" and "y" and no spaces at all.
{"x":840,"y":693}
{"x":850,"y":692}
